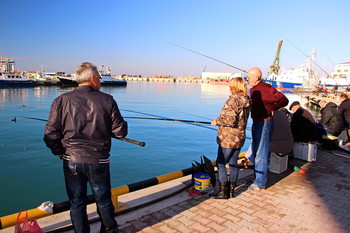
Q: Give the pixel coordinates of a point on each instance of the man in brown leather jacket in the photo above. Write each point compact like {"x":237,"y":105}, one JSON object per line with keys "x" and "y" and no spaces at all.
{"x":79,"y":130}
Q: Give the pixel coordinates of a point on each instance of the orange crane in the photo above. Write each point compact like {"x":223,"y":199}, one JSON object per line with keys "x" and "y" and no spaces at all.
{"x":276,"y":63}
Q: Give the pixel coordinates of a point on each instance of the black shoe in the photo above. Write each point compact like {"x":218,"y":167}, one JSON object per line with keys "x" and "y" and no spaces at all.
{"x":231,"y":189}
{"x":223,"y":191}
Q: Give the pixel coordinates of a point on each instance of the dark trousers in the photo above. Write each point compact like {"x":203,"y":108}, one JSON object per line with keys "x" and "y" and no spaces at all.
{"x":98,"y":175}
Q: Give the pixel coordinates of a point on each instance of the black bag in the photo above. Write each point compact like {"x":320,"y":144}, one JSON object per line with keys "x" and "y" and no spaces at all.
{"x":205,"y":166}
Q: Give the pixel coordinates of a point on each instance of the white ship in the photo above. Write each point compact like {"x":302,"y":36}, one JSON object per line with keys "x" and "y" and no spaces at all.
{"x":10,"y":78}
{"x":303,"y":76}
{"x":340,"y":76}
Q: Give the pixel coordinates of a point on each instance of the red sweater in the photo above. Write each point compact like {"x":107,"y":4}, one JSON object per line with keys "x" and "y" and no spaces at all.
{"x":265,"y":100}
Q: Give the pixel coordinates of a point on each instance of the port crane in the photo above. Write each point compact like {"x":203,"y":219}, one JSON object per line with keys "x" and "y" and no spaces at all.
{"x":276,"y":63}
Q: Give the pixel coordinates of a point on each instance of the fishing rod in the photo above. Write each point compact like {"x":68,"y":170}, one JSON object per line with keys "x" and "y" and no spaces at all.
{"x":169,"y":119}
{"x":208,"y":57}
{"x":178,"y":120}
{"x":165,"y":118}
{"x":142,"y":144}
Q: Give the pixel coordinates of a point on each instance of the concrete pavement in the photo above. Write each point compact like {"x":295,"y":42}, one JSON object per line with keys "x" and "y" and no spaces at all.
{"x":318,"y":201}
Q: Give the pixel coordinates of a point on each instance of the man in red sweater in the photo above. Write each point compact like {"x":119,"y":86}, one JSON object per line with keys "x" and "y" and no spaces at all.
{"x":265,"y":100}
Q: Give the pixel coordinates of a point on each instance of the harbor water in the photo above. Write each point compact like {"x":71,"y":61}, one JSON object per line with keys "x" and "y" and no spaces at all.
{"x":30,"y":174}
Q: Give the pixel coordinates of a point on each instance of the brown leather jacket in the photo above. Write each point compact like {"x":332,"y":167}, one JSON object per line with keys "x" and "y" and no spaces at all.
{"x":233,"y":121}
{"x":81,"y":124}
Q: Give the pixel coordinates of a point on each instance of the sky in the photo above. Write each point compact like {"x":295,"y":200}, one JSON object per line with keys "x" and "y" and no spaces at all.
{"x":138,"y":37}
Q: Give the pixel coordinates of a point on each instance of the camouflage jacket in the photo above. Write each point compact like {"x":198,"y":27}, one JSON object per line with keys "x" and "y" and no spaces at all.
{"x":233,"y":121}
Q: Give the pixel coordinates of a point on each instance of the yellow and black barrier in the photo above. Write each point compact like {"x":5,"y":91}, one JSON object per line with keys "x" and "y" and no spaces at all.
{"x":36,"y":213}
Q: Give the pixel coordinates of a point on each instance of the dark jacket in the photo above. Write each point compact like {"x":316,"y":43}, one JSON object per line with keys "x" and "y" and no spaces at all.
{"x":81,"y":124}
{"x":265,"y":100}
{"x":332,"y":119}
{"x":281,"y":138}
{"x":344,"y":109}
{"x":303,"y":126}
{"x":233,"y":121}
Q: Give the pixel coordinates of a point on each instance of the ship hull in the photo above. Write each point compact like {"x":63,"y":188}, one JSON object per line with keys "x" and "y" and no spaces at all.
{"x":16,"y":84}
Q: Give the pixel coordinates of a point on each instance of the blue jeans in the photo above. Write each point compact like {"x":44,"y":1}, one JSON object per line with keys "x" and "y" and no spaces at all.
{"x":230,"y":156}
{"x":76,"y":178}
{"x":261,"y":132}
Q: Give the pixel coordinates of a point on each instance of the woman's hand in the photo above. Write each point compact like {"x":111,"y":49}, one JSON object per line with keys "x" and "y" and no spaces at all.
{"x":214,"y":123}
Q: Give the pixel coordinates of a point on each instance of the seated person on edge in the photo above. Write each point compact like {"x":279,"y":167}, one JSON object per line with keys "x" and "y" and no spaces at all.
{"x":331,"y":119}
{"x":281,"y":138}
{"x":344,"y":109}
{"x":302,"y":124}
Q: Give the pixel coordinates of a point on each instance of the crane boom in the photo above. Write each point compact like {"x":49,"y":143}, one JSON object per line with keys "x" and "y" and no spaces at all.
{"x":276,"y":63}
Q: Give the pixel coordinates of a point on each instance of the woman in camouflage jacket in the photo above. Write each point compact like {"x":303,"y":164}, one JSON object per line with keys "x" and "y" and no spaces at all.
{"x":232,"y":123}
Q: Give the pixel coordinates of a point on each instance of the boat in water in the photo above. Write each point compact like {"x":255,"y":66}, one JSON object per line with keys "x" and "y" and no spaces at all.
{"x":106,"y":80}
{"x":303,"y":76}
{"x":340,"y":77}
{"x":10,"y":78}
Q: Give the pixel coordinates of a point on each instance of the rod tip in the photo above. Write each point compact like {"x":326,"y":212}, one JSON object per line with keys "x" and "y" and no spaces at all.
{"x":142,"y":144}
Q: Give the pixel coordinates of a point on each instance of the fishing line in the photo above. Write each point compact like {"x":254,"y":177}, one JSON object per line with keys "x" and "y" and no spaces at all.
{"x":196,"y":115}
{"x":142,"y":144}
{"x":207,"y":57}
{"x":310,"y":59}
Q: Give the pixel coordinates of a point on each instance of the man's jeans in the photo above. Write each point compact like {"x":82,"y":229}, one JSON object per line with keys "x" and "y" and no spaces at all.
{"x":76,"y":178}
{"x":261,"y":132}
{"x":227,"y":155}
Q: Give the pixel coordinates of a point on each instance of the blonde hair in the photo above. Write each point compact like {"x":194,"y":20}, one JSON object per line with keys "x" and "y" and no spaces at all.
{"x":84,"y":71}
{"x":238,"y":86}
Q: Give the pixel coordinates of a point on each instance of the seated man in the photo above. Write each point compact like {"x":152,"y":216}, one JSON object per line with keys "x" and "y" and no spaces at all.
{"x":331,"y":119}
{"x":281,"y":138}
{"x":344,"y":109}
{"x":302,"y":124}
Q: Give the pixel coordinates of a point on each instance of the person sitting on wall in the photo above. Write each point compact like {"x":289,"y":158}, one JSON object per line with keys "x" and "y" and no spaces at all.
{"x":344,"y":109}
{"x":331,"y":119}
{"x":303,"y":125}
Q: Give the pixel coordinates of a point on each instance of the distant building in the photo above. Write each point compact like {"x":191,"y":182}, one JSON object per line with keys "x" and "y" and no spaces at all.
{"x":341,"y":70}
{"x":220,"y":75}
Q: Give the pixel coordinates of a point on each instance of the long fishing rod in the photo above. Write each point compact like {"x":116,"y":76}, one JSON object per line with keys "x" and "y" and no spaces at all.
{"x":208,"y":57}
{"x":169,"y":119}
{"x":165,"y":118}
{"x":142,"y":144}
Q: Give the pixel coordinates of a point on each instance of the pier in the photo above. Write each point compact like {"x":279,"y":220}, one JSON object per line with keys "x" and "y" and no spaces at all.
{"x":317,"y":201}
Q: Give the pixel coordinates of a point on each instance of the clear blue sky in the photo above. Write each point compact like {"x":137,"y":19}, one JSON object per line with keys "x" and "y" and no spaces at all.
{"x":133,"y":36}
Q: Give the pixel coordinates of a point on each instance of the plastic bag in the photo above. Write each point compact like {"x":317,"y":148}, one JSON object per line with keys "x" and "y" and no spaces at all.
{"x":26,"y":225}
{"x":205,"y":166}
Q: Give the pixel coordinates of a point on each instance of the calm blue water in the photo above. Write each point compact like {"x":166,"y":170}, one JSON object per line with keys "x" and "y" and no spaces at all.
{"x":30,"y":174}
